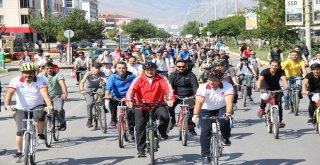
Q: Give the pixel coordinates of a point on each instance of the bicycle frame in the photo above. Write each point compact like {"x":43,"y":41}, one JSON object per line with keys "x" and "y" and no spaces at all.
{"x":293,"y":94}
{"x":215,"y":143}
{"x":122,"y":113}
{"x":272,"y":116}
{"x":30,"y":129}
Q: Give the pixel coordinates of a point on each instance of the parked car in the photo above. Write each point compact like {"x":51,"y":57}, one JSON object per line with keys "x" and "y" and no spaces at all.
{"x":99,"y":51}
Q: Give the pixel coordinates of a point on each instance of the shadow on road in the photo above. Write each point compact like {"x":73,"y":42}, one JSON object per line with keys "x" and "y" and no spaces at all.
{"x":6,"y":118}
{"x":70,"y":118}
{"x":293,"y":134}
{"x":180,"y":159}
{"x":72,"y":141}
{"x":230,"y":156}
{"x":247,"y":122}
{"x":240,"y":135}
{"x":267,"y":161}
{"x":97,"y":160}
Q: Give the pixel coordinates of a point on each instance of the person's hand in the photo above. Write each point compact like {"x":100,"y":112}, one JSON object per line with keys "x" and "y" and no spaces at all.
{"x":170,"y":103}
{"x":195,"y":119}
{"x":64,"y":96}
{"x":106,"y":97}
{"x":129,"y":104}
{"x":82,"y":92}
{"x":305,"y":92}
{"x":48,"y":109}
{"x":227,"y":116}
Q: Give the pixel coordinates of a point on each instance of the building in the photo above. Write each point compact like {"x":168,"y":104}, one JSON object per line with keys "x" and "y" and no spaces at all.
{"x":70,"y":5}
{"x":113,"y":21}
{"x":91,"y":8}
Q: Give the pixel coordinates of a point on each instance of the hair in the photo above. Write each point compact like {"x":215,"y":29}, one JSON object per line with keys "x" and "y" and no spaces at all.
{"x":276,"y":46}
{"x":276,"y":61}
{"x":135,"y":59}
{"x":297,"y":46}
{"x":48,"y":64}
{"x":81,"y":53}
{"x":183,"y":61}
{"x":317,"y":52}
{"x":294,"y":51}
{"x":121,"y":63}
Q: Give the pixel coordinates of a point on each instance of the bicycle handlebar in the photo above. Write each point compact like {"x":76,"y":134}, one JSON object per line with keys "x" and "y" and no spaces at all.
{"x":185,"y":98}
{"x":312,"y":93}
{"x":118,"y":99}
{"x":149,"y":105}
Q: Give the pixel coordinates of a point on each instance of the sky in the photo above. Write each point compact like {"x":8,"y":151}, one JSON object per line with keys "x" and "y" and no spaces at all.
{"x":170,"y":12}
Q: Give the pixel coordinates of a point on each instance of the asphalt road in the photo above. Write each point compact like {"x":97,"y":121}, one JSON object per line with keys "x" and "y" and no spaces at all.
{"x":298,"y":142}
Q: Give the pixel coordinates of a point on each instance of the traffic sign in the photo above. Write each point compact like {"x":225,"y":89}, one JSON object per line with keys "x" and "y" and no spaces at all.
{"x":68,"y":33}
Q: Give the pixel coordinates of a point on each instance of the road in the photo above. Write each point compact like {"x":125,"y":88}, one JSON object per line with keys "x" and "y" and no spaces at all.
{"x":251,"y":144}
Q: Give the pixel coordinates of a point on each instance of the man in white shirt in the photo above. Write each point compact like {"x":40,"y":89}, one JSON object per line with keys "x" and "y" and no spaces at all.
{"x":133,"y":67}
{"x":30,"y":92}
{"x":315,"y":60}
{"x":213,"y":98}
{"x":163,"y":64}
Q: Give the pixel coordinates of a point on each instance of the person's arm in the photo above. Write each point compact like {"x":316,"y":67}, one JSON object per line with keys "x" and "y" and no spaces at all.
{"x":75,"y":67}
{"x":64,"y":89}
{"x":304,"y":59}
{"x":269,"y":56}
{"x":229,"y":104}
{"x":45,"y":95}
{"x":198,"y":104}
{"x":81,"y":86}
{"x":304,"y":70}
{"x":259,"y":63}
{"x":305,"y":83}
{"x":168,"y":90}
{"x":8,"y":97}
{"x":281,"y":57}
{"x":88,"y":64}
{"x":131,"y":92}
{"x":259,"y":82}
{"x":284,"y":80}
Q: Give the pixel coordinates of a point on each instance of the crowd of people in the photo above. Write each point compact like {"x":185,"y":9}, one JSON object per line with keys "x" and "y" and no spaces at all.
{"x":164,"y":73}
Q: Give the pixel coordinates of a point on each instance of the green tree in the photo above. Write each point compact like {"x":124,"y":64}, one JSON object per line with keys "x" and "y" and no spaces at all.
{"x":190,"y":28}
{"x":95,"y":30}
{"x":46,"y":26}
{"x":112,"y":33}
{"x":162,"y":34}
{"x":140,"y":28}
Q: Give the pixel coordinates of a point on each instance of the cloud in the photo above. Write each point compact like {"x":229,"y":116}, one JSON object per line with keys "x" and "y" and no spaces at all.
{"x":169,"y":12}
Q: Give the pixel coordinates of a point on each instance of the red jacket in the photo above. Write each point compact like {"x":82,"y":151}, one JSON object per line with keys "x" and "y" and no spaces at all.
{"x":140,"y":89}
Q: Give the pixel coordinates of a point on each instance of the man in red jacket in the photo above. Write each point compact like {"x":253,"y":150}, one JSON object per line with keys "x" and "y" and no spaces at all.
{"x":149,"y":87}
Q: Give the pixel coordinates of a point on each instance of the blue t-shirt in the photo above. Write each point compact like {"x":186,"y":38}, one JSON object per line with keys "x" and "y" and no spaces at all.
{"x":118,"y":85}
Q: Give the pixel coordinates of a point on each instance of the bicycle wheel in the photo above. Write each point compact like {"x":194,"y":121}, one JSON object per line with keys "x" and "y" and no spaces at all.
{"x":103,"y":120}
{"x":268,"y":120}
{"x":180,"y":125}
{"x":275,"y":122}
{"x":244,"y":96}
{"x":56,"y":126}
{"x":120,"y":132}
{"x":63,"y":59}
{"x":48,"y":130}
{"x":296,"y":103}
{"x":214,"y":151}
{"x":27,"y":148}
{"x":292,"y":101}
{"x":151,"y":146}
{"x":95,"y":117}
{"x":317,"y":120}
{"x":184,"y":130}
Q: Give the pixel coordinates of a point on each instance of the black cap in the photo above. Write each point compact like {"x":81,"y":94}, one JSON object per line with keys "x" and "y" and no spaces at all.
{"x":97,"y":65}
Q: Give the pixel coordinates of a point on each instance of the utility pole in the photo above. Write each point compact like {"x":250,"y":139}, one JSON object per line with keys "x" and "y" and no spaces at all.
{"x":209,"y":12}
{"x":225,"y":9}
{"x":237,"y":7}
{"x":307,"y":25}
{"x":215,"y":10}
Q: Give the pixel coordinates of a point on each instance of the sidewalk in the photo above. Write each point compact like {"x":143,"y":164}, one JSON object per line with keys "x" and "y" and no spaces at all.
{"x":13,"y":66}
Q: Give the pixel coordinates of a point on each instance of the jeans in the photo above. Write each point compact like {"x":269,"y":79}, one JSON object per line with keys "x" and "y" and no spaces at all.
{"x":298,"y":83}
{"x":206,"y":128}
{"x":58,"y":106}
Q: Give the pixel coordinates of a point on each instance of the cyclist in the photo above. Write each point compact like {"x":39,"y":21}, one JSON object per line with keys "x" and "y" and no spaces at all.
{"x":246,"y":71}
{"x":184,"y":54}
{"x":150,"y":87}
{"x":185,"y":84}
{"x":271,"y":77}
{"x":293,"y":67}
{"x":275,"y":54}
{"x":31,"y":93}
{"x":312,"y":82}
{"x":163,"y":64}
{"x":117,"y":86}
{"x":206,"y":64}
{"x":107,"y":68}
{"x":315,"y":59}
{"x":134,"y":67}
{"x":301,"y":54}
{"x":26,"y":59}
{"x":57,"y":91}
{"x":254,"y":62}
{"x":105,"y":56}
{"x":81,"y":64}
{"x":213,"y":98}
{"x":92,"y":80}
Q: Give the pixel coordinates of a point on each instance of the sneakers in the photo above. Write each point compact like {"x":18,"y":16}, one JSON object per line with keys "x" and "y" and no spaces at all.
{"x":286,"y":106}
{"x":141,"y":154}
{"x":112,"y":123}
{"x":250,"y":98}
{"x":63,"y":126}
{"x":261,"y":113}
{"x":131,"y":137}
{"x":226,"y":142}
{"x":310,"y":121}
{"x":89,"y":123}
{"x":193,"y":132}
{"x":206,"y":160}
{"x":18,"y":155}
{"x":164,"y":137}
{"x":282,"y":125}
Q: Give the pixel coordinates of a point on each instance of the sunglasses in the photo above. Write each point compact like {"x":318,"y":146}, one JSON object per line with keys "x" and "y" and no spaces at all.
{"x":181,"y":66}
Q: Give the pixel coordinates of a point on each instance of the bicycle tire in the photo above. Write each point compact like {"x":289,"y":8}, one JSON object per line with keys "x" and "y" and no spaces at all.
{"x":275,"y":122}
{"x":317,"y":120}
{"x":56,"y":126}
{"x":244,"y":96}
{"x":95,"y":117}
{"x":26,"y":156}
{"x":292,"y":102}
{"x":151,"y":146}
{"x":296,"y":104}
{"x":268,"y":120}
{"x":49,"y":127}
{"x":184,"y":130}
{"x":103,"y":120}
{"x":180,"y":125}
{"x":214,"y":151}
{"x":63,"y":59}
{"x":120,"y":132}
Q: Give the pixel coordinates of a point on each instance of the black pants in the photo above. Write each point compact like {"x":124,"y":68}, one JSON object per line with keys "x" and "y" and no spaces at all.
{"x":78,"y":74}
{"x":130,"y":114}
{"x":235,"y":90}
{"x":312,"y":107}
{"x":189,"y":102}
{"x":206,"y":128}
{"x":263,"y":105}
{"x":141,"y":119}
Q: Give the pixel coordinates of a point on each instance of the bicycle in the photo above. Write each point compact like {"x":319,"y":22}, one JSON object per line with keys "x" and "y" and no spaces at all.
{"x":272,"y":115}
{"x":152,"y":142}
{"x":244,"y":84}
{"x":99,"y":115}
{"x":316,"y":113}
{"x":62,"y":57}
{"x":122,"y":123}
{"x":183,"y":120}
{"x":52,"y":126}
{"x":294,"y":95}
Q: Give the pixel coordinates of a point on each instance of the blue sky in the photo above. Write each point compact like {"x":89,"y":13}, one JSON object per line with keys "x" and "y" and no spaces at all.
{"x":169,"y":12}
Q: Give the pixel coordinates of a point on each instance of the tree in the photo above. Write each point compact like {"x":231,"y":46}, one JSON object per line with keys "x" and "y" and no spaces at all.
{"x":95,"y":30}
{"x":112,"y":33}
{"x":140,"y":28}
{"x":190,"y":28}
{"x":162,"y":34}
{"x":46,"y":26}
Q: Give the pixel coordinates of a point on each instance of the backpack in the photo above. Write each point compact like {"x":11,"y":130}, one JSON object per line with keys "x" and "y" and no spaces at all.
{"x":241,"y":66}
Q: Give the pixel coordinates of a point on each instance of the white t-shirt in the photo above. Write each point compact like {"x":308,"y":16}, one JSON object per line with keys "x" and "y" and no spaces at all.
{"x":314,"y":61}
{"x":81,"y":62}
{"x":28,"y":96}
{"x":245,"y":69}
{"x":161,"y":64}
{"x":38,"y":59}
{"x":135,"y":69}
{"x":214,"y":99}
{"x":253,"y":61}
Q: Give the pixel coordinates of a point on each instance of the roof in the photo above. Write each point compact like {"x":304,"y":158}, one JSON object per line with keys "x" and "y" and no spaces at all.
{"x":111,"y":16}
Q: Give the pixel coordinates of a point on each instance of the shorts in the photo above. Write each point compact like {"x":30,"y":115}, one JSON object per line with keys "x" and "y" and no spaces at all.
{"x":38,"y":114}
